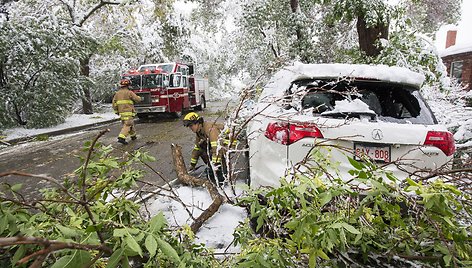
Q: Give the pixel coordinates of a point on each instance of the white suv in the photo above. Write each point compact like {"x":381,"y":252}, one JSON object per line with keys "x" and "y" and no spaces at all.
{"x":341,"y":111}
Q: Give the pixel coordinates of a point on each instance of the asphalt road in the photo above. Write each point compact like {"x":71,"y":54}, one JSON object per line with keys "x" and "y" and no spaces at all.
{"x":59,"y":156}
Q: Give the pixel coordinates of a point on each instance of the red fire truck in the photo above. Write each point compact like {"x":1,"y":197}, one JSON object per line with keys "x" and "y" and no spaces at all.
{"x":167,"y":88}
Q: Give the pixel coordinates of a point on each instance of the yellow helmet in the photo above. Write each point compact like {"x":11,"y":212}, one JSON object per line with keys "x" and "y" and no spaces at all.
{"x":192,"y":118}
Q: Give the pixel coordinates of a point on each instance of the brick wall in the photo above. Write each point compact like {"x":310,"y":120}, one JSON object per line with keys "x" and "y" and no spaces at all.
{"x":466,"y":67}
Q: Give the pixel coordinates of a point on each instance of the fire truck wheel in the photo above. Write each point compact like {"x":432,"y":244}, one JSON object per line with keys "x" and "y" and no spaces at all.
{"x":202,"y":104}
{"x":179,"y":113}
{"x":142,"y":116}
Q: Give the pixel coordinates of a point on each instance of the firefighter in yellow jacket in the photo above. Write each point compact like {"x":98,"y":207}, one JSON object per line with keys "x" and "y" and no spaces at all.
{"x":207,"y":144}
{"x":123,"y":105}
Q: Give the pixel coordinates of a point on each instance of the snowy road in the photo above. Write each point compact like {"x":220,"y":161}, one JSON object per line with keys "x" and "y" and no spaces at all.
{"x":58,"y":157}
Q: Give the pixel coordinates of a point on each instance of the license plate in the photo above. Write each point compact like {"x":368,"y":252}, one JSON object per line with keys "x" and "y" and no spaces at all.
{"x":374,"y":152}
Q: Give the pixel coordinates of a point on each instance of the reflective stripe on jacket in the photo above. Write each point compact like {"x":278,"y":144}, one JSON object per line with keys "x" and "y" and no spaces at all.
{"x":208,"y":134}
{"x":123,"y":103}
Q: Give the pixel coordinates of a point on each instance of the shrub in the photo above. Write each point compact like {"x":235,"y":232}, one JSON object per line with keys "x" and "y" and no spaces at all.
{"x":384,"y":223}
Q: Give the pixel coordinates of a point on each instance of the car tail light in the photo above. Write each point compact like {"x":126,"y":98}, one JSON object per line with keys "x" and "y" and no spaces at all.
{"x":442,"y":140}
{"x":288,"y":133}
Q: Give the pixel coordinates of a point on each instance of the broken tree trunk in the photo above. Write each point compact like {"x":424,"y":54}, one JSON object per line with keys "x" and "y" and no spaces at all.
{"x":187,"y":179}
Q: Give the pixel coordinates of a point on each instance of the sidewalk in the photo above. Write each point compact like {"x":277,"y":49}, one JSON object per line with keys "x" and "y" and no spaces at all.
{"x":72,"y":123}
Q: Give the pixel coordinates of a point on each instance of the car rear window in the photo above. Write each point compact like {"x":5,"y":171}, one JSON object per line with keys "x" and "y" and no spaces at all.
{"x":390,"y":102}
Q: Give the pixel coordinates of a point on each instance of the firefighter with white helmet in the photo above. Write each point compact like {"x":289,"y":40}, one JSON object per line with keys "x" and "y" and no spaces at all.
{"x":206,"y":141}
{"x":123,"y":105}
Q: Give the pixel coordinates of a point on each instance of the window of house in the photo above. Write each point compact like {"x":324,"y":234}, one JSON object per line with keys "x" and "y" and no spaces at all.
{"x":456,"y":70}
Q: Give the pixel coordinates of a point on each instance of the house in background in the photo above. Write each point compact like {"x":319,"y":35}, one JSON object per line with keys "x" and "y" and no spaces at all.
{"x":458,"y":60}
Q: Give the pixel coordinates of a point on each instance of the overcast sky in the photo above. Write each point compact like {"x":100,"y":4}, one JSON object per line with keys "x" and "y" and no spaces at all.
{"x":464,"y":35}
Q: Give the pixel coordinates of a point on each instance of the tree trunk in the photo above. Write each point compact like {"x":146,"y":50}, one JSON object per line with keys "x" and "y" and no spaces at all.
{"x":87,"y":107}
{"x":295,"y":7}
{"x":187,"y":179}
{"x":3,"y":78}
{"x":369,"y":36}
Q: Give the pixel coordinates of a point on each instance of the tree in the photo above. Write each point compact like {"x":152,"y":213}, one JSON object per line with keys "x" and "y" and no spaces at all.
{"x":372,"y":21}
{"x":38,"y":70}
{"x":428,"y":15}
{"x":302,"y":32}
{"x":79,"y":13}
{"x":110,"y":43}
{"x":373,"y":18}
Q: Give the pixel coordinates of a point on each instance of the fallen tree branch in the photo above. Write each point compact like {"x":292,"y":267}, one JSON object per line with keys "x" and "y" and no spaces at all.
{"x":5,"y":143}
{"x":43,"y":177}
{"x":50,"y":246}
{"x":189,"y":180}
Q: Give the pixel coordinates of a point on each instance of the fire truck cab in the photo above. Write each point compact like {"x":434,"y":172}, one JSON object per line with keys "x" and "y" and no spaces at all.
{"x":167,"y":88}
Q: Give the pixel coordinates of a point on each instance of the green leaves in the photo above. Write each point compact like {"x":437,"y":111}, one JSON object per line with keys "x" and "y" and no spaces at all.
{"x":168,"y":250}
{"x":350,"y":228}
{"x":156,"y":223}
{"x":321,"y":223}
{"x":132,"y":244}
{"x":325,"y":198}
{"x":151,"y":245}
{"x":115,"y":258}
{"x":107,"y":219}
{"x":307,"y":222}
{"x":68,"y":232}
{"x":76,"y":260}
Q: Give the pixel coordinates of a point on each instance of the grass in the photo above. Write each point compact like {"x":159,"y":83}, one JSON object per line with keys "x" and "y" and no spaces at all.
{"x":42,"y":137}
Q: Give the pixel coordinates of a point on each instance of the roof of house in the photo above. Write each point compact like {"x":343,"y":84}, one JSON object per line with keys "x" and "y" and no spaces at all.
{"x":456,"y":49}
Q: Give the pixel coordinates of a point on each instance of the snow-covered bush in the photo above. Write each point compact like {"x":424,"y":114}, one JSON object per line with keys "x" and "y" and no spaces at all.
{"x":40,"y":74}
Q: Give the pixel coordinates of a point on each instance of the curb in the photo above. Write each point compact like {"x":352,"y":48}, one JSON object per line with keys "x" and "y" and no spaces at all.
{"x":60,"y":131}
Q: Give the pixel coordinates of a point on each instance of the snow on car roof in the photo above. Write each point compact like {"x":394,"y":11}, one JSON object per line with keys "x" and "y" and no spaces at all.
{"x":282,"y":79}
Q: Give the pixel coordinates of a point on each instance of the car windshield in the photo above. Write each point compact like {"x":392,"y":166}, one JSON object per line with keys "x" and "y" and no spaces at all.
{"x":389,"y":101}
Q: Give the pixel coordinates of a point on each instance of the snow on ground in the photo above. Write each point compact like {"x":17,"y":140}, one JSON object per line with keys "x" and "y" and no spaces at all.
{"x":217,"y":232}
{"x":24,"y":147}
{"x":72,"y":121}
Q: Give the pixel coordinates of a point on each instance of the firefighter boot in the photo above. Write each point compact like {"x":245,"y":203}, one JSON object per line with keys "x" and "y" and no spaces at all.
{"x":122,"y":141}
{"x":134,"y":137}
{"x":220,"y":177}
